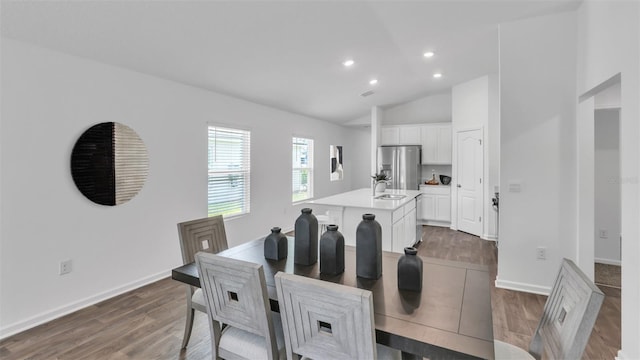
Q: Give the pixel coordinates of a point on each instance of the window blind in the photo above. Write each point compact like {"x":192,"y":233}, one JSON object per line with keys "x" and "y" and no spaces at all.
{"x":302,"y":165}
{"x":229,"y":171}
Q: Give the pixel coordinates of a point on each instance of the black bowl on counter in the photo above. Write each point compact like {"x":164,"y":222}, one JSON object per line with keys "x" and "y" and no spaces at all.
{"x":445,"y":180}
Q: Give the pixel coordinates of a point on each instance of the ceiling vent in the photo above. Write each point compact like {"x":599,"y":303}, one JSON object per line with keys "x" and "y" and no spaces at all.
{"x":367,"y":93}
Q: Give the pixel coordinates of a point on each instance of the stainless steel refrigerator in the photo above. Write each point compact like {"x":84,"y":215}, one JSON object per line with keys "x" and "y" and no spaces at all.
{"x":402,"y":164}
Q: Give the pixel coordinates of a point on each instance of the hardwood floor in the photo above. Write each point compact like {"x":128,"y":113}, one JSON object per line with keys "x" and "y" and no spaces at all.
{"x":516,"y":314}
{"x":148,"y":323}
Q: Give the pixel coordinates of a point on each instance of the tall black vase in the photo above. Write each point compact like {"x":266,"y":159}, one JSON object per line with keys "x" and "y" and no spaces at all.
{"x":410,"y":270}
{"x":332,"y":251}
{"x":275,"y":245}
{"x":369,"y":248}
{"x":306,"y":234}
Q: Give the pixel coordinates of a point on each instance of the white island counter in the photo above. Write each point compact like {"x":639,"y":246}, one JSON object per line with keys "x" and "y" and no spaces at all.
{"x":397,"y":217}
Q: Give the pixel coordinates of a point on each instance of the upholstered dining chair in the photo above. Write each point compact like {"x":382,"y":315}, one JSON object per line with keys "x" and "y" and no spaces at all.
{"x":235,"y":292}
{"x":567,"y":320}
{"x":323,"y":320}
{"x":208,"y":235}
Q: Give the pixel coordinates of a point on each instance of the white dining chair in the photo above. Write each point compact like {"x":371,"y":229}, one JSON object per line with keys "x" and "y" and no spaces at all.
{"x":207,"y":234}
{"x":567,"y":320}
{"x":235,"y":292}
{"x":323,"y":320}
{"x":324,"y":220}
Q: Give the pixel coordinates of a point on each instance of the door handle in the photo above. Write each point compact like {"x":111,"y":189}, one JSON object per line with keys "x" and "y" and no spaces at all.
{"x":459,"y":185}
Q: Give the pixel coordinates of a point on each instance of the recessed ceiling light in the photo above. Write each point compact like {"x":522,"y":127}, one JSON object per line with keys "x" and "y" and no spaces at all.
{"x":373,"y":81}
{"x":348,"y":63}
{"x":429,"y":54}
{"x":437,"y":75}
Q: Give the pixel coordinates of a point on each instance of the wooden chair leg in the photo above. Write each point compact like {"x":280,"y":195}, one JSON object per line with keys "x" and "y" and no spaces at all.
{"x":188,"y":326}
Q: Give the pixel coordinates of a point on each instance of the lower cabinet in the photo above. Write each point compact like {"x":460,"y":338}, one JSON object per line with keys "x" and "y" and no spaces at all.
{"x":435,"y":205}
{"x":410,"y":231}
{"x":404,"y":227}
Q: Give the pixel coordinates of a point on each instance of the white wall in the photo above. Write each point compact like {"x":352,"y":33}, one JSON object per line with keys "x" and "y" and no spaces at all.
{"x":609,"y":44}
{"x":429,"y":109}
{"x":48,"y":100}
{"x":360,"y":141}
{"x":607,"y":186}
{"x":537,"y":149}
{"x":474,"y":106}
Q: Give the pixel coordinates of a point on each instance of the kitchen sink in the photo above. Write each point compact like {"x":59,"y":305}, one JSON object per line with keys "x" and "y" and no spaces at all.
{"x":390,"y":197}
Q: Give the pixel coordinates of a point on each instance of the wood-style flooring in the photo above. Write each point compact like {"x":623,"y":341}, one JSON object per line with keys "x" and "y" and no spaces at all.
{"x":148,"y":323}
{"x":516,"y":314}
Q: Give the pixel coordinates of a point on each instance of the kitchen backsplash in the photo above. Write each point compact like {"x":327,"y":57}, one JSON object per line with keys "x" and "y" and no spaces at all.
{"x":439,"y":170}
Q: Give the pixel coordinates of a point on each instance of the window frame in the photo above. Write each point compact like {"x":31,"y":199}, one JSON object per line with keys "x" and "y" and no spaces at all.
{"x":244,"y":170}
{"x":309,"y":168}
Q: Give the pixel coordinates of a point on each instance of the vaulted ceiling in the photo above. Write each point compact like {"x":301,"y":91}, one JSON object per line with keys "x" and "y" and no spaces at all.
{"x":284,"y":54}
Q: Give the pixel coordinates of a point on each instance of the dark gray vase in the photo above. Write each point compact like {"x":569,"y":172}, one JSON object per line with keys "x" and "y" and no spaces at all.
{"x":410,"y":270}
{"x":332,"y":251}
{"x":369,"y":248}
{"x":275,"y":245}
{"x":306,"y":234}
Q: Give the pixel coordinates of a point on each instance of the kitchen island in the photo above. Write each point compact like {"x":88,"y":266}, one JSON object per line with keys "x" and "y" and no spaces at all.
{"x":395,"y":210}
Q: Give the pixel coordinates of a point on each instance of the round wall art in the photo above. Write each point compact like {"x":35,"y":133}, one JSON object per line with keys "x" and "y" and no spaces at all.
{"x":109,"y":163}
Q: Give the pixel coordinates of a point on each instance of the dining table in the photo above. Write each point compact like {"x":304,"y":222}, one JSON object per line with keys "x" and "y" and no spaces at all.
{"x":449,"y":319}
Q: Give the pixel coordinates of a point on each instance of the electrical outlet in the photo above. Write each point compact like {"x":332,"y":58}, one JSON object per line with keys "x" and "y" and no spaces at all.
{"x":65,"y":267}
{"x":603,"y":233}
{"x":541,"y":253}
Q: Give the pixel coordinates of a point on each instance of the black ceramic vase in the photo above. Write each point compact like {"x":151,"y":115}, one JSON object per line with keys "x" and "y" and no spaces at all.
{"x":275,"y":245}
{"x":306,"y":234}
{"x":332,"y":251}
{"x":410,"y":270}
{"x":369,"y":248}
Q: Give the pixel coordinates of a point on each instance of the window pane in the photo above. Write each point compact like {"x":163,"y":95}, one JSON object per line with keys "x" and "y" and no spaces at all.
{"x":229,"y":171}
{"x":302,"y":165}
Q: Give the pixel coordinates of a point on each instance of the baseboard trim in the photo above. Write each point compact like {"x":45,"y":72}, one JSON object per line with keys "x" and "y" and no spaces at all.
{"x":620,"y":356}
{"x":489,"y":237}
{"x":61,"y":311}
{"x":518,"y":286}
{"x":434,"y":223}
{"x":608,"y":261}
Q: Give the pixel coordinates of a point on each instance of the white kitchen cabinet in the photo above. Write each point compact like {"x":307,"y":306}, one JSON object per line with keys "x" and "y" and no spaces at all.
{"x":410,"y":224}
{"x":436,"y":144}
{"x":390,"y":135}
{"x":398,"y":232}
{"x":400,"y":135}
{"x":443,"y":207}
{"x":404,"y":227}
{"x":410,"y":135}
{"x":435,"y":205}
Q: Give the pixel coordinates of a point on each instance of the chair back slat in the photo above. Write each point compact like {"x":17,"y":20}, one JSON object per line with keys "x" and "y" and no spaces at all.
{"x":323,"y":320}
{"x":236,"y":295}
{"x":206,"y":234}
{"x":568,"y":316}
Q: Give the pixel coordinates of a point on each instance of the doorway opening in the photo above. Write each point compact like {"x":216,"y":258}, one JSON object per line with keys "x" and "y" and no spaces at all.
{"x":607,"y":204}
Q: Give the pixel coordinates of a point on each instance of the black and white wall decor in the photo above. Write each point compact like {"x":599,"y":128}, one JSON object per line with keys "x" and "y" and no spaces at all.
{"x":335,"y":156}
{"x":109,"y":163}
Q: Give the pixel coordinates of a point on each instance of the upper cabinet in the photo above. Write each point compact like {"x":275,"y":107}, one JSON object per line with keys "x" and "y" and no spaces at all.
{"x":389,"y":135}
{"x":400,"y":135}
{"x":410,"y":135}
{"x":436,"y":144}
{"x":434,"y":138}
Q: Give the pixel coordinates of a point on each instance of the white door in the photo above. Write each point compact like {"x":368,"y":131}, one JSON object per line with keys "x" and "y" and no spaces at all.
{"x":469,"y":181}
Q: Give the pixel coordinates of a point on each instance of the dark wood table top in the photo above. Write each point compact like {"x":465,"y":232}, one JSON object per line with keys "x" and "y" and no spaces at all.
{"x":449,"y":319}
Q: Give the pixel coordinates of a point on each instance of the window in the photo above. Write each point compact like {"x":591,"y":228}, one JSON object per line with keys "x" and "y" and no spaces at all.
{"x":229,"y":171}
{"x":302,"y":169}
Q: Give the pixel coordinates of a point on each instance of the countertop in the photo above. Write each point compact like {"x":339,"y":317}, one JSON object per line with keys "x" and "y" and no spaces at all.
{"x":435,"y":186}
{"x":362,"y":198}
